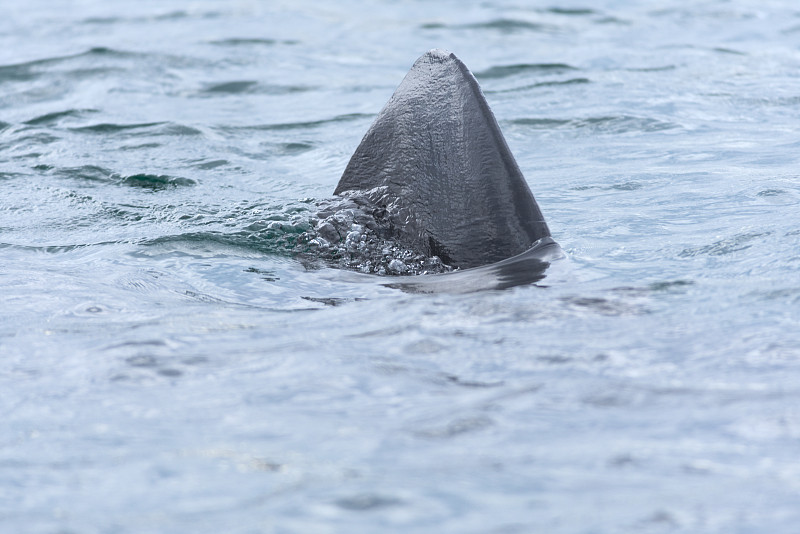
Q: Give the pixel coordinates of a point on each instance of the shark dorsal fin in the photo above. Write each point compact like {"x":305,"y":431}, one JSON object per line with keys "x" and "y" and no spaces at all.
{"x":436,"y":160}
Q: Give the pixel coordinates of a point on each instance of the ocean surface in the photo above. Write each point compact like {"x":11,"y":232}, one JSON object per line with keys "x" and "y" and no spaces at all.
{"x":169,"y":364}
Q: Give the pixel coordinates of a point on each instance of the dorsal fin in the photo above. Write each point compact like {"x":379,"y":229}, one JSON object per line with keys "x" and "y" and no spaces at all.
{"x":436,"y":160}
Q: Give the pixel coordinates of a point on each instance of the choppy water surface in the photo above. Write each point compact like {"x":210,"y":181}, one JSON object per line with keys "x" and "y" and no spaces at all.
{"x":169,"y":365}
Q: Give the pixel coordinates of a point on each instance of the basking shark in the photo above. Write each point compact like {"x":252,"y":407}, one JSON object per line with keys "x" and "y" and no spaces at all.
{"x":434,"y":175}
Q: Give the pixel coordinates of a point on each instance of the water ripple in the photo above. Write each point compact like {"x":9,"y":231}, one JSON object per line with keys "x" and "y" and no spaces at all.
{"x":504,"y":71}
{"x":195,"y":240}
{"x":572,"y":81}
{"x":287,"y":149}
{"x":163,"y":128}
{"x":29,"y":140}
{"x":212,"y":164}
{"x":169,"y":16}
{"x":251,"y":86}
{"x":503,"y":25}
{"x":156,"y":181}
{"x":652,"y":69}
{"x":724,"y":246}
{"x":96,"y":62}
{"x":251,"y":41}
{"x":612,"y":124}
{"x":105,"y":128}
{"x":571,"y":11}
{"x":96,"y":173}
{"x":298,"y":125}
{"x":367,"y":502}
{"x":56,"y":116}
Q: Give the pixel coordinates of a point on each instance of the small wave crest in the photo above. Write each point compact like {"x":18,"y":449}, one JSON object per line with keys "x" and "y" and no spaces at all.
{"x":252,"y":87}
{"x":136,"y":129}
{"x":349,"y":117}
{"x":611,"y":125}
{"x":502,"y":25}
{"x":29,"y":70}
{"x":156,"y":181}
{"x":251,"y":41}
{"x":504,"y":71}
{"x":554,"y":83}
{"x":57,"y":116}
{"x":96,"y":173}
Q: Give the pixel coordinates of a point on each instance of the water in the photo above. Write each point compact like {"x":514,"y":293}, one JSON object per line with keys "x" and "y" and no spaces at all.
{"x":169,"y":365}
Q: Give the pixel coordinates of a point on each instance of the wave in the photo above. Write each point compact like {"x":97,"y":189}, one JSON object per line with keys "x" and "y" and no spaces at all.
{"x":652,"y":69}
{"x":105,"y":128}
{"x":158,"y":128}
{"x":503,"y":25}
{"x":29,"y":140}
{"x":94,"y":51}
{"x":289,"y":149}
{"x":252,"y":41}
{"x":27,"y":71}
{"x":253,"y":87}
{"x":212,"y":164}
{"x":168,"y":16}
{"x":55,"y":249}
{"x":572,"y":81}
{"x":723,"y":50}
{"x":35,"y":69}
{"x":156,"y":181}
{"x":282,"y":238}
{"x":611,"y":124}
{"x":95,"y":173}
{"x":504,"y":71}
{"x":725,"y":246}
{"x":571,"y":11}
{"x":298,"y":125}
{"x":141,"y":146}
{"x":56,"y":116}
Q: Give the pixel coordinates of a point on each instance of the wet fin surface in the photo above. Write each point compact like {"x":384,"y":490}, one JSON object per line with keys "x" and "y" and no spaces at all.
{"x":437,"y":167}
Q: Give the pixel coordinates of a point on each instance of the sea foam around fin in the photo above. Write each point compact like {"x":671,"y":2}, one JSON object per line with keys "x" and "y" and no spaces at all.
{"x":352,"y":233}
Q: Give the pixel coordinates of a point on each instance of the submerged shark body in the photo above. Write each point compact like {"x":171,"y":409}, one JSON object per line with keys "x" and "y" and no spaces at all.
{"x":434,"y":177}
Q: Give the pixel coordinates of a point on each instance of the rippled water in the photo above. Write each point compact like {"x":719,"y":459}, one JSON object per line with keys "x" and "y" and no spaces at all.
{"x":169,"y":364}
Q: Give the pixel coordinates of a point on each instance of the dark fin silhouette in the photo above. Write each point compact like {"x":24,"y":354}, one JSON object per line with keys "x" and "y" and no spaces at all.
{"x":435,"y":164}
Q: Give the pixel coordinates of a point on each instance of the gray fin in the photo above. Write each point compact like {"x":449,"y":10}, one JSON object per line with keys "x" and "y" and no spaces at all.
{"x":436,"y":164}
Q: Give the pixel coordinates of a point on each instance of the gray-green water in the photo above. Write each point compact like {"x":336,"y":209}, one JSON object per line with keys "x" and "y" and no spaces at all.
{"x":166,"y":365}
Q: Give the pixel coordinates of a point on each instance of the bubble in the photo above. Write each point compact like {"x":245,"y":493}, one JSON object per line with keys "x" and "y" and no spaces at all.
{"x":397,"y":266}
{"x":351,"y":233}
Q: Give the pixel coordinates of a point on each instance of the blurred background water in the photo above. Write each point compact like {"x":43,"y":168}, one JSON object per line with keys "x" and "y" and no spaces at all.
{"x":167,"y":365}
